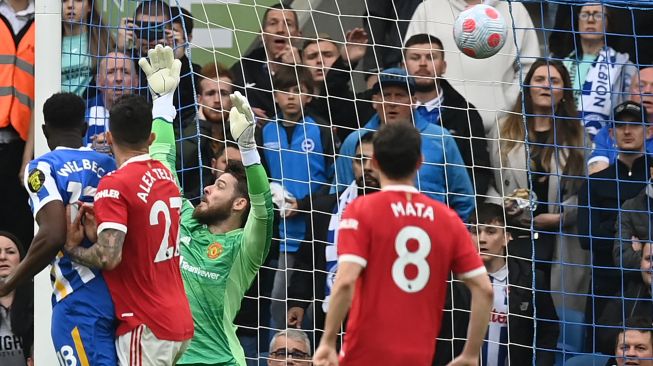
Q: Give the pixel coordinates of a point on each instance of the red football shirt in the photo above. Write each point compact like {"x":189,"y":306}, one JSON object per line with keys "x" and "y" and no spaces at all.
{"x":408,"y":245}
{"x":142,"y":200}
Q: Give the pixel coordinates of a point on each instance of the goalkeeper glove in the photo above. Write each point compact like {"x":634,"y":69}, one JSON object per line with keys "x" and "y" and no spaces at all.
{"x":162,"y":72}
{"x":241,"y":124}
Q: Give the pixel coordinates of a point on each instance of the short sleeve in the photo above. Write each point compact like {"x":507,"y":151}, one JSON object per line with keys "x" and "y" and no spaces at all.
{"x":41,"y":185}
{"x":111,"y":210}
{"x":466,"y":262}
{"x":353,"y":238}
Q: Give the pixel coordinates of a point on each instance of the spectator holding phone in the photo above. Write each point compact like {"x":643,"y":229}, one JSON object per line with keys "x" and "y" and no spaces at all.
{"x":254,"y":71}
{"x":152,"y":24}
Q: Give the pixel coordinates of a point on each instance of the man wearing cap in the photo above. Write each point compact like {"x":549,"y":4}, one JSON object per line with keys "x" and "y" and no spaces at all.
{"x":641,"y":91}
{"x":603,"y":195}
{"x":634,"y":222}
{"x":443,"y":175}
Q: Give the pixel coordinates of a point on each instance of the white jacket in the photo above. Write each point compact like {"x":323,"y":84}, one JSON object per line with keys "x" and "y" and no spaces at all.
{"x":491,"y":84}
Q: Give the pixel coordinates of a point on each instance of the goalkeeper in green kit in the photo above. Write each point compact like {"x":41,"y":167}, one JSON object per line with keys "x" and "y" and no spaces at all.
{"x":225,"y":239}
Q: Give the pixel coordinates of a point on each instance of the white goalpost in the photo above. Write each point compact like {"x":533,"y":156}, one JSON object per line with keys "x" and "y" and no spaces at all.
{"x":47,"y":70}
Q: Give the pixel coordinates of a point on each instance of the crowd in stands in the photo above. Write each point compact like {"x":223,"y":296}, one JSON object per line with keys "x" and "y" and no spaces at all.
{"x":542,"y":150}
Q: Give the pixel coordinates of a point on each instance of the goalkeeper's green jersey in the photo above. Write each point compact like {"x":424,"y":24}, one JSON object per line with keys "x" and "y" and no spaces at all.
{"x":217,"y":269}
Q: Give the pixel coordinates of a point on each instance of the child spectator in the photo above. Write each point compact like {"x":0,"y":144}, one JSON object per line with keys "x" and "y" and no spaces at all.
{"x":85,"y":40}
{"x":510,"y":335}
{"x":298,"y":155}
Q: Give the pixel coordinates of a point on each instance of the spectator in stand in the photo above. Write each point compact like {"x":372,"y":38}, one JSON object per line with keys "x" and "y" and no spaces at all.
{"x":16,"y":308}
{"x":510,"y":336}
{"x":182,"y":35}
{"x":254,"y":71}
{"x":602,"y":195}
{"x":438,"y":102}
{"x":641,"y":91}
{"x":17,"y":31}
{"x":224,"y":152}
{"x":152,"y":24}
{"x":331,"y":66}
{"x":116,"y":76}
{"x":594,"y":66}
{"x":555,"y":166}
{"x":634,"y":346}
{"x":213,"y":90}
{"x":635,"y":299}
{"x":298,"y":156}
{"x":491,"y":84}
{"x":290,"y":348}
{"x":387,"y":21}
{"x":316,"y":264}
{"x":85,"y":39}
{"x":633,"y":228}
{"x":442,"y":176}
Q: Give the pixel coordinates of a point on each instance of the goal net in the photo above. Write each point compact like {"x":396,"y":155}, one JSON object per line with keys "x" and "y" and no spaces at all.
{"x":528,"y":131}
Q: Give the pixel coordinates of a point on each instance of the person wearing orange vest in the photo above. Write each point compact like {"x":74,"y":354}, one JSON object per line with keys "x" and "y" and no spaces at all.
{"x":16,"y":105}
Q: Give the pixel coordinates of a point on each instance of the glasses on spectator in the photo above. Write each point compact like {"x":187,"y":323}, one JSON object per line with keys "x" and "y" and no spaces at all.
{"x":596,"y":15}
{"x":290,"y":353}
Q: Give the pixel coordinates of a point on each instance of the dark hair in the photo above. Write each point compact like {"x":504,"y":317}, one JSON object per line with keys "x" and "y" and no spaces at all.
{"x":281,"y":7}
{"x":642,"y":324}
{"x":221,"y":146}
{"x":366,"y":139}
{"x":100,"y":38}
{"x":567,"y":131}
{"x":237,"y":170}
{"x":64,"y":111}
{"x":397,"y":149}
{"x":290,"y":76}
{"x":321,"y":37}
{"x":130,"y":121}
{"x":565,"y":37}
{"x":423,"y":38}
{"x":153,"y":8}
{"x":21,"y":312}
{"x":177,"y":12}
{"x":487,"y":213}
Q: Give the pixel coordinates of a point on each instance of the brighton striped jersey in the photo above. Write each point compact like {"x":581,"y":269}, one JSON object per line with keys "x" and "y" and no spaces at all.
{"x":495,"y":346}
{"x":67,"y":175}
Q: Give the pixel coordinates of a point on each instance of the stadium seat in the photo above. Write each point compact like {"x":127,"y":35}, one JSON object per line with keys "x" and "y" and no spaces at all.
{"x":572,"y":333}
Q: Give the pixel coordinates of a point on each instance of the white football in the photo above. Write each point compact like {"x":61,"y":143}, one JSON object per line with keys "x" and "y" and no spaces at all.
{"x":480,"y":31}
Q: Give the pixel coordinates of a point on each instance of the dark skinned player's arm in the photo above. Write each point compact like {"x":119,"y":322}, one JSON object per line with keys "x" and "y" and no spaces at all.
{"x":47,"y":243}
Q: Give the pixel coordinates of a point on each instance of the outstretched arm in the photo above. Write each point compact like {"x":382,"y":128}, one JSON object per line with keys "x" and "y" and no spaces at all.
{"x":47,"y":204}
{"x":162,"y":72}
{"x":45,"y":246}
{"x":257,"y":234}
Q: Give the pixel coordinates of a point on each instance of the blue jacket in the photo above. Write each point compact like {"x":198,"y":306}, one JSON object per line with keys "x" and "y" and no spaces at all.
{"x":605,"y":148}
{"x":301,"y":165}
{"x":443,"y":175}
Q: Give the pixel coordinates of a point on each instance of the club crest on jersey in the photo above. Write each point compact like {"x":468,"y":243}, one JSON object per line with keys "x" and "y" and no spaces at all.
{"x":35,"y":180}
{"x":308,"y":145}
{"x":214,"y":250}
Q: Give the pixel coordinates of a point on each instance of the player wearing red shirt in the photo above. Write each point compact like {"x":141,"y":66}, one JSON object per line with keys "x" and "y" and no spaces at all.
{"x":396,"y":272}
{"x":137,"y":209}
